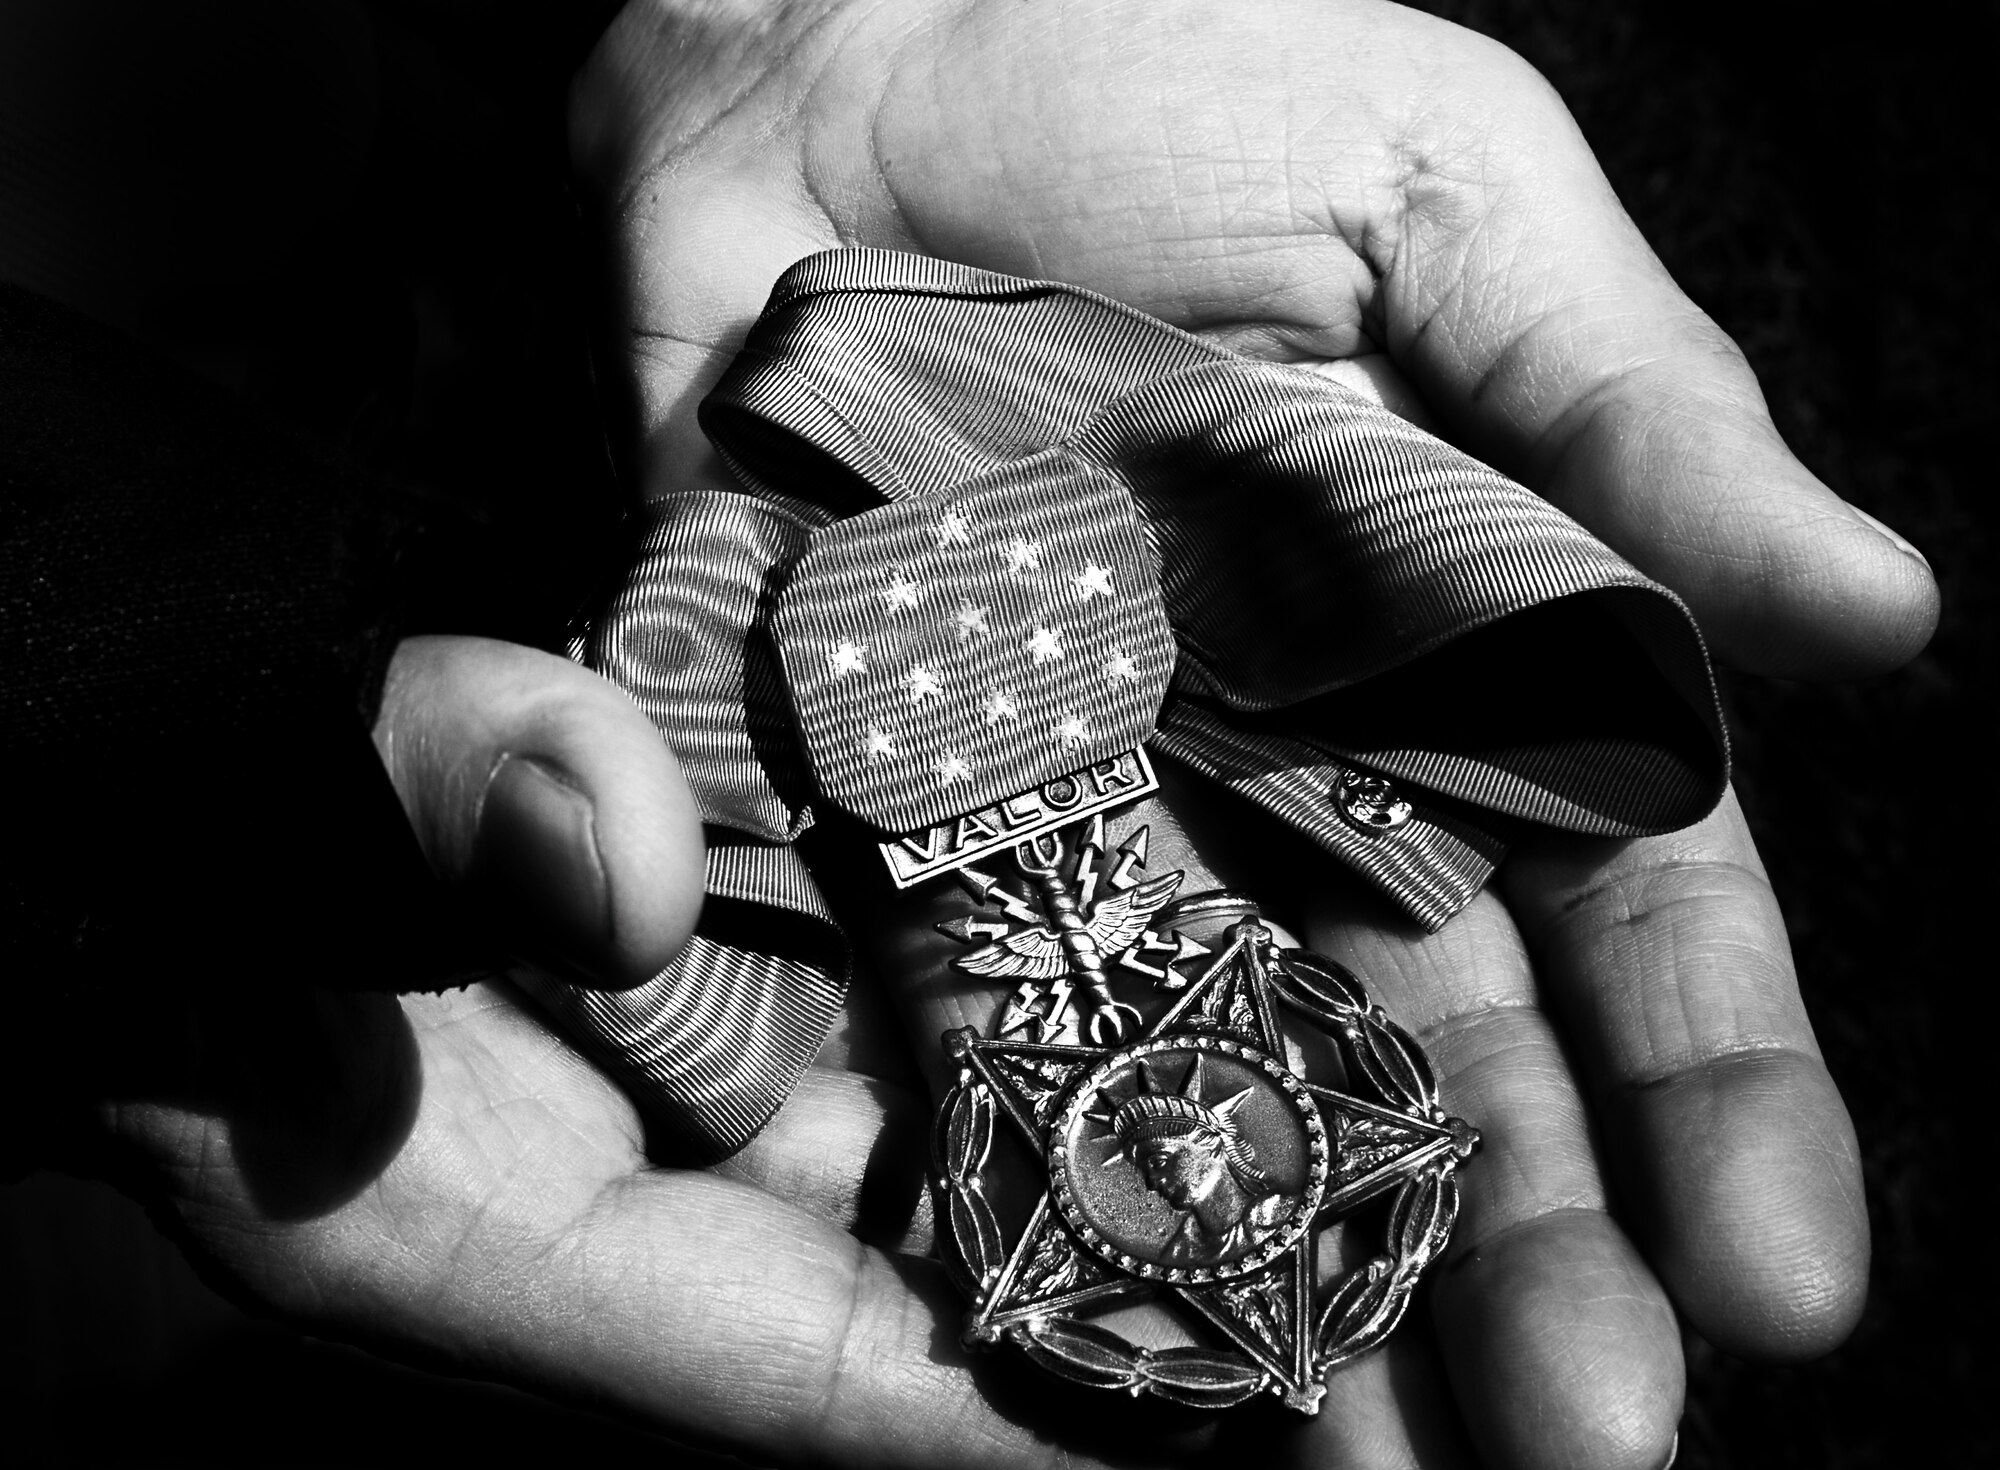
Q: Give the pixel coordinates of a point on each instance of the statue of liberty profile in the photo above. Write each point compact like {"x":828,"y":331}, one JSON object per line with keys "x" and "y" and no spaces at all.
{"x":1193,"y":1155}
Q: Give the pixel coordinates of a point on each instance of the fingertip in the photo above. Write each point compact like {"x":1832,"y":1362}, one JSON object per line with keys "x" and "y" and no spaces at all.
{"x":644,"y":839}
{"x":1562,"y":1348}
{"x":1844,"y":597}
{"x":544,"y":795}
{"x":1759,"y":1228}
{"x":1678,"y":467}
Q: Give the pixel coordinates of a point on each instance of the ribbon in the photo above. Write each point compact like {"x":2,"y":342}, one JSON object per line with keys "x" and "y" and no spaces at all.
{"x":991,"y":528}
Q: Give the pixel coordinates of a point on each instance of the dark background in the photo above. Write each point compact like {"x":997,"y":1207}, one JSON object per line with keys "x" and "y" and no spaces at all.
{"x":356,"y":218}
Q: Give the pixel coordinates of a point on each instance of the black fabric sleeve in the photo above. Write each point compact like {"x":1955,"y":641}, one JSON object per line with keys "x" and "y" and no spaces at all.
{"x":197,"y":614}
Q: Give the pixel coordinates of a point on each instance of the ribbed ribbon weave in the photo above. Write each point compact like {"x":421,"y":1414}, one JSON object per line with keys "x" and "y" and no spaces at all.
{"x":993,"y":528}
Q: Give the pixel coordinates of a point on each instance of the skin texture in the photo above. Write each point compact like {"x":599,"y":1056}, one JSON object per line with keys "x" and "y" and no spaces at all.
{"x":1349,"y":185}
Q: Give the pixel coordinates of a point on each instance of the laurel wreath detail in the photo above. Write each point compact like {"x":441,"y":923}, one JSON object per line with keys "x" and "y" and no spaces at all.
{"x":1102,"y":1359}
{"x":959,"y":1149}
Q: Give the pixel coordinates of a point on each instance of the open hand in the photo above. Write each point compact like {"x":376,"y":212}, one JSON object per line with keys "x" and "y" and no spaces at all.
{"x":1362,"y":189}
{"x":1347,"y":184}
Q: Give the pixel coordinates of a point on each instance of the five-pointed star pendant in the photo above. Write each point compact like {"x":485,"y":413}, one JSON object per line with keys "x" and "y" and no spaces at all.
{"x":1273,"y":1313}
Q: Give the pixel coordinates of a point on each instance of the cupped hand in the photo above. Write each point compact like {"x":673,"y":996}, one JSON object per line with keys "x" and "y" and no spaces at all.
{"x":1317,"y":181}
{"x":1351,"y":186}
{"x":442,"y":1176}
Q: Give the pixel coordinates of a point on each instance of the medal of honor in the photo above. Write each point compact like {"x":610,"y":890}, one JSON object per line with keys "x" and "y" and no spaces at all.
{"x":1174,"y":1103}
{"x":1188,"y":1147}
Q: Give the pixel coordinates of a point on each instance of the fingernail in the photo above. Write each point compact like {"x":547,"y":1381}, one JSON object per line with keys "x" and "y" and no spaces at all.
{"x":537,"y":868}
{"x":1890,"y":536}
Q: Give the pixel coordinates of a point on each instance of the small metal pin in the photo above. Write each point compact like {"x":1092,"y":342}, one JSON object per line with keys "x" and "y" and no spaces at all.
{"x":1372,"y":803}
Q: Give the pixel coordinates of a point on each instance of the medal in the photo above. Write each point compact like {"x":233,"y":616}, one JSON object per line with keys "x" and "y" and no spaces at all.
{"x":1175,"y":1107}
{"x":1174,"y":1104}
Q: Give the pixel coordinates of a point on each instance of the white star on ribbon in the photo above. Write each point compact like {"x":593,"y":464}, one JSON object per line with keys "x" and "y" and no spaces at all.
{"x":922,"y":684}
{"x":970,"y":620}
{"x":1023,"y":555}
{"x":953,"y":769}
{"x":1120,"y":669}
{"x":1092,"y":581}
{"x":953,"y":529}
{"x":881,"y":746}
{"x":901,"y":594}
{"x":847,"y":657}
{"x":999,"y":705}
{"x":1045,"y":644}
{"x":1072,"y":731}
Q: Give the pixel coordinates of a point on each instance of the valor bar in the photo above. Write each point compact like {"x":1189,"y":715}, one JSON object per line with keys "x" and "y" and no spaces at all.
{"x":950,"y":845}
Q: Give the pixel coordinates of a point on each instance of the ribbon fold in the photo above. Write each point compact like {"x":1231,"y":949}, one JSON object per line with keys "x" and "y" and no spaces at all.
{"x":992,"y":528}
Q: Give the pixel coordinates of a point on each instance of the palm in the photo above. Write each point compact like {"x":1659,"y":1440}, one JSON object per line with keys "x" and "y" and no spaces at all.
{"x":453,"y":1168}
{"x":1312,"y":180}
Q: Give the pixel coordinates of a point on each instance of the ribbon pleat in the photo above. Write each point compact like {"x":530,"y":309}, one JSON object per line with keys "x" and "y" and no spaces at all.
{"x":678,"y":635}
{"x":1349,"y":597}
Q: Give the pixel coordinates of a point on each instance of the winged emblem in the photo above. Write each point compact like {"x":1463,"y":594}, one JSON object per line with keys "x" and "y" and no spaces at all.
{"x":1061,"y":961}
{"x":1039,"y":953}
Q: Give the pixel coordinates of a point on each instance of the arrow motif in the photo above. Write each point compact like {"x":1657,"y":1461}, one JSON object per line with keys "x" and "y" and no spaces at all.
{"x":1131,"y":854}
{"x":967,"y":929}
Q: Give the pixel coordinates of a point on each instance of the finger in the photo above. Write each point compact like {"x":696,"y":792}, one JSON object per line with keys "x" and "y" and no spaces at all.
{"x":849,"y":1150}
{"x":1537,"y":321}
{"x":1667,"y":961}
{"x":539,"y":789}
{"x":852,"y":1142}
{"x":1389,"y":1409}
{"x":1560,"y":1345}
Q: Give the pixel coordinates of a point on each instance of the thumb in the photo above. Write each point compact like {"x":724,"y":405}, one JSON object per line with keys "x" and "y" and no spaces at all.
{"x":540,"y":791}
